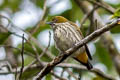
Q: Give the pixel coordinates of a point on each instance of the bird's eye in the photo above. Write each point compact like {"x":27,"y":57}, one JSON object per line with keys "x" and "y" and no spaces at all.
{"x":54,"y":20}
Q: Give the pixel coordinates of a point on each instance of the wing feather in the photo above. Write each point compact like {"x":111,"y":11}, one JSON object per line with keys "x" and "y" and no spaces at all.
{"x":86,"y":47}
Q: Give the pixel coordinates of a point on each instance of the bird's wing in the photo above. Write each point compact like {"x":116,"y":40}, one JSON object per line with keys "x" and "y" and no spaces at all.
{"x":88,"y":52}
{"x":86,"y":47}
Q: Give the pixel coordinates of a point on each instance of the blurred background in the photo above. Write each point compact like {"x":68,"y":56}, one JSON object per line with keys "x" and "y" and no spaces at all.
{"x":28,"y":17}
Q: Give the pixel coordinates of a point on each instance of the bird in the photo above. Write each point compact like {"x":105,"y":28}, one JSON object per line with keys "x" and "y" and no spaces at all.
{"x":67,"y":34}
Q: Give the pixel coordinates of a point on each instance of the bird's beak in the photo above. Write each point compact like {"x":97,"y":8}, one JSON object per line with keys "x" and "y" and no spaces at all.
{"x":50,"y":23}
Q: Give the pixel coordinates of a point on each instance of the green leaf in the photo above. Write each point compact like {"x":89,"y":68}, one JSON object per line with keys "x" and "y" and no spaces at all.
{"x":116,"y":14}
{"x":116,"y":29}
{"x":27,"y":75}
{"x":29,"y":51}
{"x":73,"y":14}
{"x":39,"y":3}
{"x":45,"y":58}
{"x":103,"y":55}
{"x":42,"y":27}
{"x":99,"y":78}
{"x":12,"y":4}
{"x":4,"y":36}
{"x":48,"y":77}
{"x":54,"y":50}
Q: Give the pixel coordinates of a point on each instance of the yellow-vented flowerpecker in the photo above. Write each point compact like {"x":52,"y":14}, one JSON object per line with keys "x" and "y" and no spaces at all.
{"x":66,"y":34}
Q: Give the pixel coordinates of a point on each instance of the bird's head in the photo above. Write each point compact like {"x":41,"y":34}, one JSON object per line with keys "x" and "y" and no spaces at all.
{"x":57,"y":19}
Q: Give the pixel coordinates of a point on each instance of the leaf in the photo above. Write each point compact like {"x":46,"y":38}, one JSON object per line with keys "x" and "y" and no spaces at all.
{"x":73,"y":14}
{"x":42,"y":27}
{"x":116,"y":14}
{"x":27,"y":75}
{"x":29,"y":51}
{"x":103,"y":55}
{"x":39,"y":3}
{"x":116,"y":29}
{"x":54,"y":50}
{"x":99,"y":78}
{"x":12,"y":4}
{"x":48,"y":77}
{"x":4,"y":36}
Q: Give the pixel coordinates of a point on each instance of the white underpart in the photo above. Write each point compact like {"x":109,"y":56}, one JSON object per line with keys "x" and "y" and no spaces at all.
{"x":66,"y":37}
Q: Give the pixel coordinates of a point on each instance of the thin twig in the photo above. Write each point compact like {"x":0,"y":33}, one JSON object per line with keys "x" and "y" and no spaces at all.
{"x":36,"y":54}
{"x":86,"y":16}
{"x":56,"y":76}
{"x":96,"y":24}
{"x":71,"y":74}
{"x":16,"y":73}
{"x":68,"y":65}
{"x":68,"y":52}
{"x":6,"y":19}
{"x":9,"y":46}
{"x":31,"y":37}
{"x":91,"y":27}
{"x":22,"y":52}
{"x":45,"y":11}
{"x":29,"y":65}
{"x":40,"y":55}
{"x":103,"y":5}
{"x":45,"y":8}
{"x":48,"y":53}
{"x":80,"y":67}
{"x":47,"y":46}
{"x":80,"y":75}
{"x":62,"y":72}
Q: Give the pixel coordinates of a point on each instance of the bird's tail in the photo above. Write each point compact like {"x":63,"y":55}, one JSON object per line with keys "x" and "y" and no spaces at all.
{"x":83,"y":59}
{"x":88,"y":65}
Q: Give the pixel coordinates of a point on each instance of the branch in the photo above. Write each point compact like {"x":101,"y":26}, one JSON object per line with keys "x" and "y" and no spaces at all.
{"x":48,"y":53}
{"x":22,"y":52}
{"x":39,"y":56}
{"x":16,"y":73}
{"x":106,"y":38}
{"x":79,"y":67}
{"x":9,"y":51}
{"x":67,"y":53}
{"x":71,"y":74}
{"x":56,"y":76}
{"x":9,"y":46}
{"x":1,"y":16}
{"x":67,"y":65}
{"x":87,"y":15}
{"x":45,"y":11}
{"x":103,"y":5}
{"x":36,"y":54}
{"x":47,"y":46}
